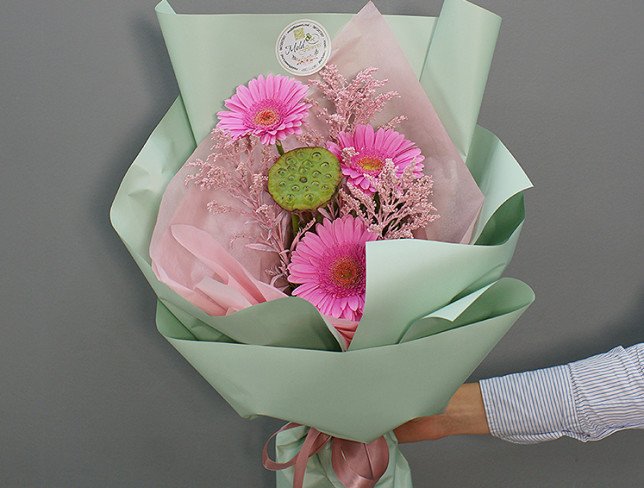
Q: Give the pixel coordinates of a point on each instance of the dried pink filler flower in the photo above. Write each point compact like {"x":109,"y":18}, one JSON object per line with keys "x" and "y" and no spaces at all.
{"x":270,"y":108}
{"x":245,"y":180}
{"x":402,"y":207}
{"x":354,"y":102}
{"x":330,"y":265}
{"x":364,"y":152}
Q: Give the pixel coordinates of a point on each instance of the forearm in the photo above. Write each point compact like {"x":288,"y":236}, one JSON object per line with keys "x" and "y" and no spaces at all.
{"x":464,"y":414}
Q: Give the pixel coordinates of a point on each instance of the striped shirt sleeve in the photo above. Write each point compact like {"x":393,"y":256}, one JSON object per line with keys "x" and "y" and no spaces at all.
{"x":586,"y":400}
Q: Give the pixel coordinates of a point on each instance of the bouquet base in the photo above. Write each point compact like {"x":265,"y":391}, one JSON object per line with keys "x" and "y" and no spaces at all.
{"x":319,"y":472}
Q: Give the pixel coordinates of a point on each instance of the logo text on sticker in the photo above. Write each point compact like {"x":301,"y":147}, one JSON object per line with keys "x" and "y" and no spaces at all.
{"x":303,"y":47}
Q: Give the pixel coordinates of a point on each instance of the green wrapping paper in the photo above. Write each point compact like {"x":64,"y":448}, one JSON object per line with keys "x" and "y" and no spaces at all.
{"x":280,"y":359}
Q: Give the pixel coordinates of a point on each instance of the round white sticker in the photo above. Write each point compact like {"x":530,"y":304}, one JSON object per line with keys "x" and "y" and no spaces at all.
{"x":303,"y":47}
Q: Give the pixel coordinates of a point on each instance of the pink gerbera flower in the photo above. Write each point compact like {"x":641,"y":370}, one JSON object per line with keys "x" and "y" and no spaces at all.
{"x":365,"y":150}
{"x":271,"y":108}
{"x":330,"y":266}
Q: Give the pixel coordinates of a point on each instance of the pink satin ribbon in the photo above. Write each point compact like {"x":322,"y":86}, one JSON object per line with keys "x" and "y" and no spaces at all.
{"x":357,"y":465}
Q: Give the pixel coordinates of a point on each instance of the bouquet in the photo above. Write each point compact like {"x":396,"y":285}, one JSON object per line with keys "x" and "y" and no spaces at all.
{"x":322,"y":243}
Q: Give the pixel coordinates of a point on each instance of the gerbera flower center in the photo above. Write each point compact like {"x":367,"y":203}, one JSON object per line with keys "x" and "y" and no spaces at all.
{"x":266,"y":117}
{"x":370,"y":164}
{"x":346,"y":272}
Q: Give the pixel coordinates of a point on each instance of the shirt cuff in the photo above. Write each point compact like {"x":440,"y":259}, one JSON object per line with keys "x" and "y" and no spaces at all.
{"x":609,"y":392}
{"x":531,"y":407}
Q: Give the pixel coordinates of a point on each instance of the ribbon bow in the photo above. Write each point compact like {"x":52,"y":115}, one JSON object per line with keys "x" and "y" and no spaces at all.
{"x":356,"y":464}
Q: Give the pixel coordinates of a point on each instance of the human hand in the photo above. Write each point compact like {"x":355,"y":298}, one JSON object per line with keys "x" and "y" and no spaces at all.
{"x":464,"y":414}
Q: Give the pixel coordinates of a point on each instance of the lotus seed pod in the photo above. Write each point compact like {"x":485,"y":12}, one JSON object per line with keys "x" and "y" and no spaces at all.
{"x":304,"y":179}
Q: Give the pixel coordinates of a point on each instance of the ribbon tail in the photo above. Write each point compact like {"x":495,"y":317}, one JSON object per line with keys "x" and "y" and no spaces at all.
{"x":314,"y":441}
{"x":266,"y":459}
{"x":359,"y":465}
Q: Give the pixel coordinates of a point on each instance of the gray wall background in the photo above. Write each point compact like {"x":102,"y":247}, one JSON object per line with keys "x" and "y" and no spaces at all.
{"x":92,"y":396}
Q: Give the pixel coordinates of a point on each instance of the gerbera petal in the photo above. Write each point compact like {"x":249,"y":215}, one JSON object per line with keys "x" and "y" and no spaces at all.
{"x":271,"y":81}
{"x":380,"y":137}
{"x":353,"y":303}
{"x":235,"y":104}
{"x":369,"y":136}
{"x":245,"y":96}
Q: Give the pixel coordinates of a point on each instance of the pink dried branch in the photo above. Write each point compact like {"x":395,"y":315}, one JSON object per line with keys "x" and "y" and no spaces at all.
{"x":280,"y":271}
{"x":209,"y":176}
{"x":331,"y":210}
{"x":400,"y":205}
{"x":246,"y":183}
{"x":394,"y":122}
{"x":310,"y":137}
{"x":354,"y":102}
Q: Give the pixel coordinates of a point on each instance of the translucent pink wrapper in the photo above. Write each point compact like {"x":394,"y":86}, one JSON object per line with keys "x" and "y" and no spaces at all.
{"x":191,"y":248}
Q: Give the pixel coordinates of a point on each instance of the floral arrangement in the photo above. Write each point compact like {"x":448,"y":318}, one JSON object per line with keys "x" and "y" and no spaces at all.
{"x":360,"y":183}
{"x":322,"y":245}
